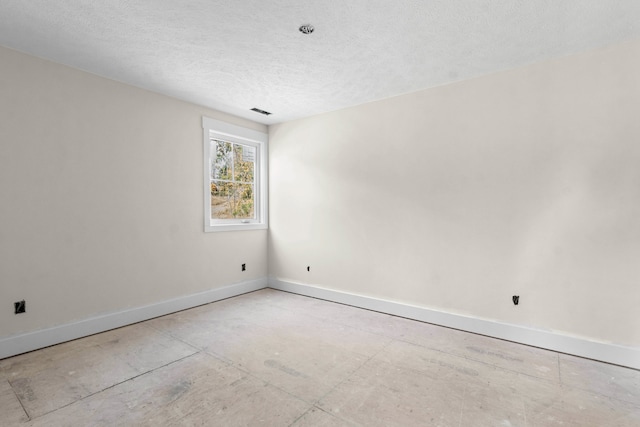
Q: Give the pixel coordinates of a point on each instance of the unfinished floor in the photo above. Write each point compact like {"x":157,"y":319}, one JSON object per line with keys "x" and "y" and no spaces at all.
{"x":277,"y":359}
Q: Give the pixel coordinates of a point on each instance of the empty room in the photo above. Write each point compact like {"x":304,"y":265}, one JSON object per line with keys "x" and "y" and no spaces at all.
{"x":320,"y":213}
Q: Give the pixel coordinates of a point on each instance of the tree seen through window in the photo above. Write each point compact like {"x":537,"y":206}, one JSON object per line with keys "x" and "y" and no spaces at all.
{"x":232,"y":181}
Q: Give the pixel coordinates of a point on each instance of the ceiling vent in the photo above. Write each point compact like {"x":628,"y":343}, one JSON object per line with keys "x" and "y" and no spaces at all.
{"x":306,"y":29}
{"x":257,"y":110}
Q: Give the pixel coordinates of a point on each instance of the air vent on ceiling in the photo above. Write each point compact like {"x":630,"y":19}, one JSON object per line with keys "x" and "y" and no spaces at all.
{"x":257,"y":110}
{"x":306,"y":29}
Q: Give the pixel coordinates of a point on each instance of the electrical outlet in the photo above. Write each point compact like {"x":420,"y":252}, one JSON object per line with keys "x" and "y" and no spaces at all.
{"x":515,"y":299}
{"x":20,"y":307}
{"x":244,"y":267}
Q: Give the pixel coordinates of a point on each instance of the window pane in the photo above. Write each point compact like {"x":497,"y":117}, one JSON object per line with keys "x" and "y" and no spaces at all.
{"x":222,"y":163}
{"x":243,"y":207}
{"x":220,"y":196}
{"x":244,"y":159}
{"x":229,"y":200}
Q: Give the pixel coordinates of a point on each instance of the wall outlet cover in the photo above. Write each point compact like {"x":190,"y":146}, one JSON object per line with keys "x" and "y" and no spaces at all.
{"x":20,"y":307}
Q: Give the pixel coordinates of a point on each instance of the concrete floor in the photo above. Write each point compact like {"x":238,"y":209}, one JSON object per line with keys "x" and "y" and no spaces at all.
{"x":278,"y":359}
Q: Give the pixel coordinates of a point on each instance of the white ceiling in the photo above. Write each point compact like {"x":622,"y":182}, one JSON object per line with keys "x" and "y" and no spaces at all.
{"x":235,"y":55}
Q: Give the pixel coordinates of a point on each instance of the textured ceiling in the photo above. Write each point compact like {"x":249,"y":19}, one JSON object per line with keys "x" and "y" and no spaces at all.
{"x":235,"y":55}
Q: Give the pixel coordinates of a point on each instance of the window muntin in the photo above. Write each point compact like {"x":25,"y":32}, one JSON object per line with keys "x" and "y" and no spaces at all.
{"x":235,"y":177}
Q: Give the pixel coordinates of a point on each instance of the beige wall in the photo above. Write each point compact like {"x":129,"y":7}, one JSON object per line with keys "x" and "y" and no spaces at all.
{"x":456,"y":198}
{"x":101,"y":198}
{"x":524,"y":182}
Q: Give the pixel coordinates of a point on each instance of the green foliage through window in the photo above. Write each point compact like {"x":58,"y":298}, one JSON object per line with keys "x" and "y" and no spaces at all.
{"x":232,"y":181}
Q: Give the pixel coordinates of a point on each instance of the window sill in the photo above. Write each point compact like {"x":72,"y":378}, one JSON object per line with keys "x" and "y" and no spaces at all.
{"x":234,"y":227}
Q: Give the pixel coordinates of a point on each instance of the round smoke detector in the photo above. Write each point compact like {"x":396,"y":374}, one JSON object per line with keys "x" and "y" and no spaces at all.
{"x":306,"y":29}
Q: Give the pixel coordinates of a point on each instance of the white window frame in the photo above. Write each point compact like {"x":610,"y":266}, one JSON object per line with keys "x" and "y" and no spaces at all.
{"x":216,"y":129}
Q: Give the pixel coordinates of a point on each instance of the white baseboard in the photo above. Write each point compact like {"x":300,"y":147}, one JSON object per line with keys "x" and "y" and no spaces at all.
{"x":610,"y":353}
{"x":23,"y":343}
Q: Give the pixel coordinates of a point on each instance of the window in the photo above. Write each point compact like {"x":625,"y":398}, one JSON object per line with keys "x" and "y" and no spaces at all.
{"x":235,"y":177}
